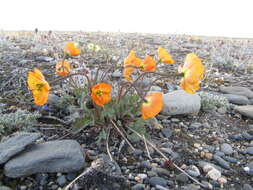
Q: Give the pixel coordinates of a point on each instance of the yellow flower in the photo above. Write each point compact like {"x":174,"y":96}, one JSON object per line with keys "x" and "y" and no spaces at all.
{"x":164,"y":56}
{"x":148,"y":64}
{"x":39,"y":87}
{"x":101,"y":93}
{"x":129,"y":63}
{"x":152,"y":106}
{"x":72,"y":49}
{"x":63,"y":68}
{"x":193,"y":73}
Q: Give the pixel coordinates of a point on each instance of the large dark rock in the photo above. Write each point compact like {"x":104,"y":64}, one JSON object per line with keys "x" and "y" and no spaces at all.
{"x":55,"y":156}
{"x":16,"y":144}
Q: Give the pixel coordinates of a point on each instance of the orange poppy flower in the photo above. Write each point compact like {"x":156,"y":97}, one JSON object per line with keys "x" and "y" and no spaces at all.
{"x":153,"y":106}
{"x":63,"y":68}
{"x":39,"y":87}
{"x":131,"y":60}
{"x":101,"y":93}
{"x":148,"y":64}
{"x":164,"y":56}
{"x":193,"y":73}
{"x":72,"y":49}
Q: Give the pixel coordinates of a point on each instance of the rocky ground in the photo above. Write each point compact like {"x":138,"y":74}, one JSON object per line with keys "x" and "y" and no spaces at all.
{"x":209,"y":135}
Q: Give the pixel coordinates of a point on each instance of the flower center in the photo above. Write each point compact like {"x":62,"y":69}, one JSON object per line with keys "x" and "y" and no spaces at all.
{"x":99,"y":92}
{"x":39,"y":86}
{"x":147,"y":102}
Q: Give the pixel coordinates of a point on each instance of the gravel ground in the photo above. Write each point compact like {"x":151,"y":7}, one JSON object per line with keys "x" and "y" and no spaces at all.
{"x":221,"y":138}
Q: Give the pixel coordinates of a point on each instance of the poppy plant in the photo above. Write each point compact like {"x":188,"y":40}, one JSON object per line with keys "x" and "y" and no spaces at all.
{"x":148,"y":64}
{"x":152,"y":106}
{"x":101,"y":93}
{"x":62,"y":68}
{"x":164,"y":56}
{"x":193,"y":73}
{"x":129,"y":63}
{"x":72,"y":49}
{"x":39,"y":87}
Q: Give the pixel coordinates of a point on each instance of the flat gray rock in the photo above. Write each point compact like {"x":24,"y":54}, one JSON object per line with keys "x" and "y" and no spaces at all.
{"x":237,"y":90}
{"x":5,"y":188}
{"x":180,"y":102}
{"x":237,"y":99}
{"x":245,"y":110}
{"x":55,"y":156}
{"x":16,"y":144}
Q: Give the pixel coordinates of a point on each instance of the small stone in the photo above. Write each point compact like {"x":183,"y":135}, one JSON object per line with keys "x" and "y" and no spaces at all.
{"x":61,"y":180}
{"x":221,"y":162}
{"x":159,"y":187}
{"x":247,"y":136}
{"x":161,"y":171}
{"x":222,"y":181}
{"x":44,"y":58}
{"x":157,"y":181}
{"x":42,"y":178}
{"x":195,"y":125}
{"x":71,"y":176}
{"x":117,"y":74}
{"x":226,"y":148}
{"x":249,"y":150}
{"x":182,"y":178}
{"x":213,"y":174}
{"x":166,"y":132}
{"x":138,"y":187}
{"x":145,"y":164}
{"x":230,"y":159}
{"x":193,"y":171}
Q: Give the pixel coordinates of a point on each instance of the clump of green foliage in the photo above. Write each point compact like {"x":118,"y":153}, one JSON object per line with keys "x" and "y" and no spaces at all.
{"x":20,"y":120}
{"x":211,"y":101}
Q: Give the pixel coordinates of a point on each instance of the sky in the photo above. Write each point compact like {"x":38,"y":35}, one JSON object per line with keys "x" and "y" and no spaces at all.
{"x":228,"y":18}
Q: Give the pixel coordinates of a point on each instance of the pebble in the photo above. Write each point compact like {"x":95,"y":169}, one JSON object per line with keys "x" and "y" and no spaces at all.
{"x":249,"y":150}
{"x":221,"y":162}
{"x":247,"y":136}
{"x":213,"y":173}
{"x":193,"y":171}
{"x":182,"y":178}
{"x":71,"y":176}
{"x":145,"y":164}
{"x":44,"y":58}
{"x":61,"y":180}
{"x":230,"y":159}
{"x":226,"y":148}
{"x":138,"y":187}
{"x":166,"y":132}
{"x":159,"y":187}
{"x":195,"y":125}
{"x":161,"y":171}
{"x":42,"y":178}
{"x":157,"y":181}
